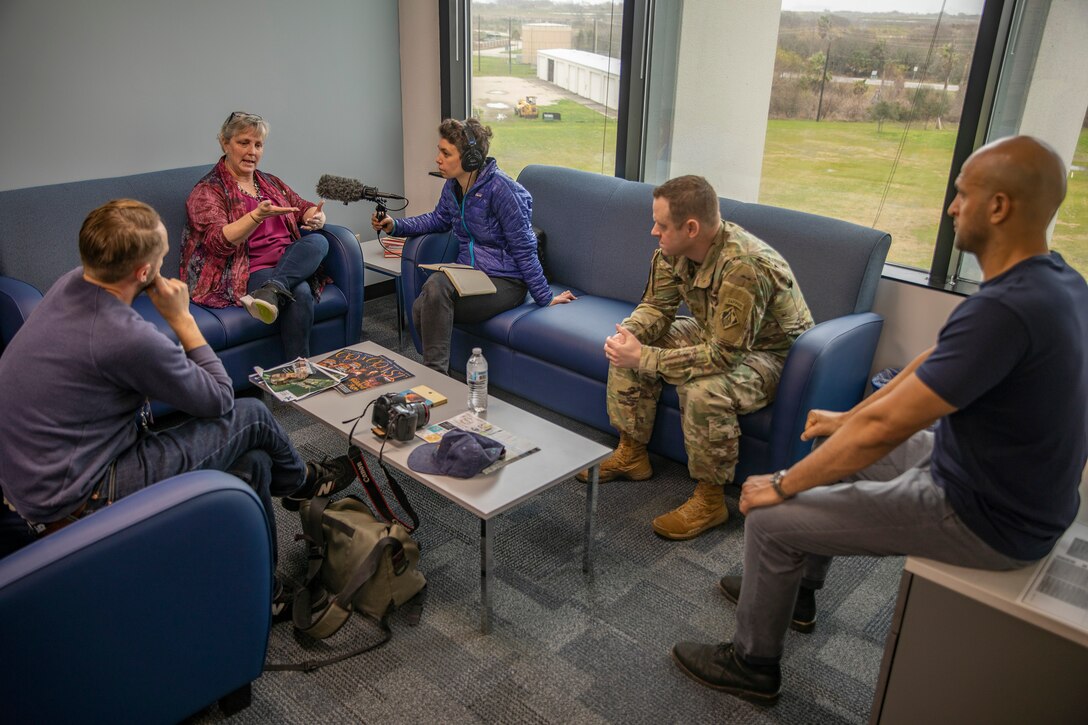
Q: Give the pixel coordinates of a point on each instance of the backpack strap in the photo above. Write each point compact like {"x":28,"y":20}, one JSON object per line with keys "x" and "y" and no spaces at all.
{"x":311,"y":665}
{"x":314,"y":534}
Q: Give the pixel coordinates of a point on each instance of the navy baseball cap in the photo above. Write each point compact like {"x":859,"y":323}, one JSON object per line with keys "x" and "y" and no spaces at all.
{"x":460,"y":453}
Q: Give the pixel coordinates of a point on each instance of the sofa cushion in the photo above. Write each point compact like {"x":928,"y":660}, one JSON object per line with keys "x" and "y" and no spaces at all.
{"x":209,"y":325}
{"x":231,"y":326}
{"x":242,"y":327}
{"x":33,"y":224}
{"x":571,"y":335}
{"x":837,"y":264}
{"x":498,"y":328}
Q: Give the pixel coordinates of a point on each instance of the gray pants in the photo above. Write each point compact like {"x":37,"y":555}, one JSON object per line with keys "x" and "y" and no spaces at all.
{"x":892,"y":508}
{"x":439,"y":306}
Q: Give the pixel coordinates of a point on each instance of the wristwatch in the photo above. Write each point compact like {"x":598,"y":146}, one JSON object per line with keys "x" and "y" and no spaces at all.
{"x":776,"y":484}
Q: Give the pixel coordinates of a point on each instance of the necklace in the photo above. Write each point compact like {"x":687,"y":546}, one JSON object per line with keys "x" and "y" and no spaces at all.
{"x":258,"y":196}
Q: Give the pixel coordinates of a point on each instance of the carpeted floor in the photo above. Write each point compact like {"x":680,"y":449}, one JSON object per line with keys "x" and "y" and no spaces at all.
{"x":566,"y":648}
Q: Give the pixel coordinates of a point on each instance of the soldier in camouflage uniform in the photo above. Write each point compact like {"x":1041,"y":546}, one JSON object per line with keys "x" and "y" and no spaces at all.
{"x":725,"y":360}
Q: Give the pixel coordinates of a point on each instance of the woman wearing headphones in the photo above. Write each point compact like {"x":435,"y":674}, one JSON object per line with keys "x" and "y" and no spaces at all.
{"x":491,"y":216}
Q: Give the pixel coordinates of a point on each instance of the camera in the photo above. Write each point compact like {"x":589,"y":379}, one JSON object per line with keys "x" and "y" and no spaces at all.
{"x":399,"y":417}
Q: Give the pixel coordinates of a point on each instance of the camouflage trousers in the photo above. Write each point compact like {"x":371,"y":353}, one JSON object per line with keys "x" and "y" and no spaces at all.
{"x":709,"y":405}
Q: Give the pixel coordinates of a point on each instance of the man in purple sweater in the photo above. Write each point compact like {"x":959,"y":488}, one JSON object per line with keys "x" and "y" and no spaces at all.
{"x":79,"y":375}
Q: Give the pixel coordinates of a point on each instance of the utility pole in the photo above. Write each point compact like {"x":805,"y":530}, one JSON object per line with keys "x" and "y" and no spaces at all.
{"x":823,"y":79}
{"x":509,"y":44}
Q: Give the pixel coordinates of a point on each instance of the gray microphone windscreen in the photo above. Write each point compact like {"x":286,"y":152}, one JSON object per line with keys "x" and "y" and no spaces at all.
{"x":339,"y":188}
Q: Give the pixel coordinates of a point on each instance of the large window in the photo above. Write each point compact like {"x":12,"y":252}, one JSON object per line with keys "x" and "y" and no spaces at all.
{"x":1043,"y":91}
{"x":545,"y":77}
{"x":856,"y":109}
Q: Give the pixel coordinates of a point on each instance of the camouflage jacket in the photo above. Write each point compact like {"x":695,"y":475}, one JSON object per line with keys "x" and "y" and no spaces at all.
{"x":743,"y":296}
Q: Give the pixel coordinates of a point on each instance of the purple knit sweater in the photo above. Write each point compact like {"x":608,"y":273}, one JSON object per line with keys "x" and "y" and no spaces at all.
{"x":72,"y":382}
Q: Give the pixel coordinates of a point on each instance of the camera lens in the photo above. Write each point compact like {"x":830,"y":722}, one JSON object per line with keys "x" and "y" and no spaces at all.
{"x":422,"y":412}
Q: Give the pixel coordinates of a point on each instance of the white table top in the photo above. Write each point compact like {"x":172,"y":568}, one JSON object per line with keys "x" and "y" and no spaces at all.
{"x":562,"y":453}
{"x":374,"y":258}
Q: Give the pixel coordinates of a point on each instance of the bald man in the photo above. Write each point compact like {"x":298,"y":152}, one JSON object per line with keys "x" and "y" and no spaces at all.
{"x":994,"y":487}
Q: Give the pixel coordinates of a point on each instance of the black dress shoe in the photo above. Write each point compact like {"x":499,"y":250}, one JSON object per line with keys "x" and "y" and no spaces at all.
{"x":804,"y":610}
{"x":719,"y":667}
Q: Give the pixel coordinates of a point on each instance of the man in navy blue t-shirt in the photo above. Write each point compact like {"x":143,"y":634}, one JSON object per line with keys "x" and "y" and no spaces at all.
{"x":995,"y":485}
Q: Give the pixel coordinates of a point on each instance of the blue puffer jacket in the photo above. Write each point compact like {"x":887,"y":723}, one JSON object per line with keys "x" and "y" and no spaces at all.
{"x":494,"y":228}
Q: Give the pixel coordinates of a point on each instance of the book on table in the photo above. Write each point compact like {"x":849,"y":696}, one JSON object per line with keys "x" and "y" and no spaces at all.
{"x":466,"y":280}
{"x":516,"y":448}
{"x":392,"y":246}
{"x":424,"y":394}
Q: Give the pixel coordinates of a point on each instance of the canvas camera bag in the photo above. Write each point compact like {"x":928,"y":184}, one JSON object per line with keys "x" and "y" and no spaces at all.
{"x":357,"y":563}
{"x":363,"y":564}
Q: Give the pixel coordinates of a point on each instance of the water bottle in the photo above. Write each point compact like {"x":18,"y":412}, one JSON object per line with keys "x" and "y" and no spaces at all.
{"x":476,"y":377}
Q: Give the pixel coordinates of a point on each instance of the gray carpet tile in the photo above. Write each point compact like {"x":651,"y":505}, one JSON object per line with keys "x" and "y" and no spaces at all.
{"x":565,"y":647}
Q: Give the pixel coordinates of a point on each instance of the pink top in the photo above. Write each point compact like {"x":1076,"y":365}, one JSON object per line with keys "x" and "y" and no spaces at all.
{"x":216,"y":271}
{"x":268,"y":241}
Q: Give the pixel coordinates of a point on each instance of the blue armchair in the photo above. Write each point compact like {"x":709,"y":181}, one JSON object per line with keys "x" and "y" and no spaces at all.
{"x":147,"y":611}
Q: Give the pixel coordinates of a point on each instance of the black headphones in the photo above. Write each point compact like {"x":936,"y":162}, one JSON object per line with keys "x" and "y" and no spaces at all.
{"x":471,"y":158}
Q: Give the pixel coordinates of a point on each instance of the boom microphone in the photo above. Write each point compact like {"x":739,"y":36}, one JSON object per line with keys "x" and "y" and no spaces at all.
{"x":338,"y":188}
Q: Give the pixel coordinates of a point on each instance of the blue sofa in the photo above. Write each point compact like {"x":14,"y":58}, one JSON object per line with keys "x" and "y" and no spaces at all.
{"x":598,"y":244}
{"x":39,"y":237}
{"x":145,"y":612}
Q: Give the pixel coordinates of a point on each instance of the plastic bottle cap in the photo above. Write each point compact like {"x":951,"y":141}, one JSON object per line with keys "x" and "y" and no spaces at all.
{"x":477,"y":351}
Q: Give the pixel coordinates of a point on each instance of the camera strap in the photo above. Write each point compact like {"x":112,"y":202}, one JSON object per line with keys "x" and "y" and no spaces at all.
{"x":374,"y":491}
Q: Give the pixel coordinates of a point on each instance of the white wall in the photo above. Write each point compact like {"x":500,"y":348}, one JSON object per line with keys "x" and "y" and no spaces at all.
{"x":421,"y":89}
{"x":114,"y":87}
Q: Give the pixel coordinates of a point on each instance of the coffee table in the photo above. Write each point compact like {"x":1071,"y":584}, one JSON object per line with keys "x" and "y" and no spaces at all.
{"x":561,"y":455}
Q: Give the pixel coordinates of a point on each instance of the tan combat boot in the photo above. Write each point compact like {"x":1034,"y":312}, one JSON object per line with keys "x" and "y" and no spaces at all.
{"x":629,"y":461}
{"x":704,"y":510}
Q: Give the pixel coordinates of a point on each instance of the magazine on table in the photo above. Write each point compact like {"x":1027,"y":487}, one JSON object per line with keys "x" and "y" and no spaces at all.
{"x":1059,"y":587}
{"x":362,"y":370}
{"x":515,"y":447}
{"x":295,"y":380}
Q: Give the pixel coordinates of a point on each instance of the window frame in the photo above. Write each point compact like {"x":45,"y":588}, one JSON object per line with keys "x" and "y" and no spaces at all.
{"x":639,"y":16}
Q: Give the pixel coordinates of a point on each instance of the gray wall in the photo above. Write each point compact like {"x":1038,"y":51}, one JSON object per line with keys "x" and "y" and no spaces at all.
{"x":114,"y":87}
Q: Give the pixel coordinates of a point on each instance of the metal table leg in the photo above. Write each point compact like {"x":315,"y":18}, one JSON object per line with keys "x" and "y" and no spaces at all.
{"x":400,"y":314}
{"x":591,"y":519}
{"x":485,"y":578}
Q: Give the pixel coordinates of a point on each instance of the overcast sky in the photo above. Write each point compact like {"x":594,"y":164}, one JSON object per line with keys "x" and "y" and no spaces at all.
{"x":952,"y":7}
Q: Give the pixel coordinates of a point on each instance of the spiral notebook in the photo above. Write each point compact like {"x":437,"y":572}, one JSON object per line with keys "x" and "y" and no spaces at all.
{"x":466,"y":280}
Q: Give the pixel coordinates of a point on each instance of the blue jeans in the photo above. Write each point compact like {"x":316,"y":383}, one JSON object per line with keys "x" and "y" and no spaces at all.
{"x":246,"y":442}
{"x":300,"y":260}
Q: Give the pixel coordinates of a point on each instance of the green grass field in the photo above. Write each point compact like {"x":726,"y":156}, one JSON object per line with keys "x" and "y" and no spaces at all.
{"x":839,"y":169}
{"x":489,"y":65}
{"x":583,"y":139}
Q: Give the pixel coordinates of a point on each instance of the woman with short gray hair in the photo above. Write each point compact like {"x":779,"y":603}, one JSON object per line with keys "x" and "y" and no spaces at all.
{"x":244,"y":243}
